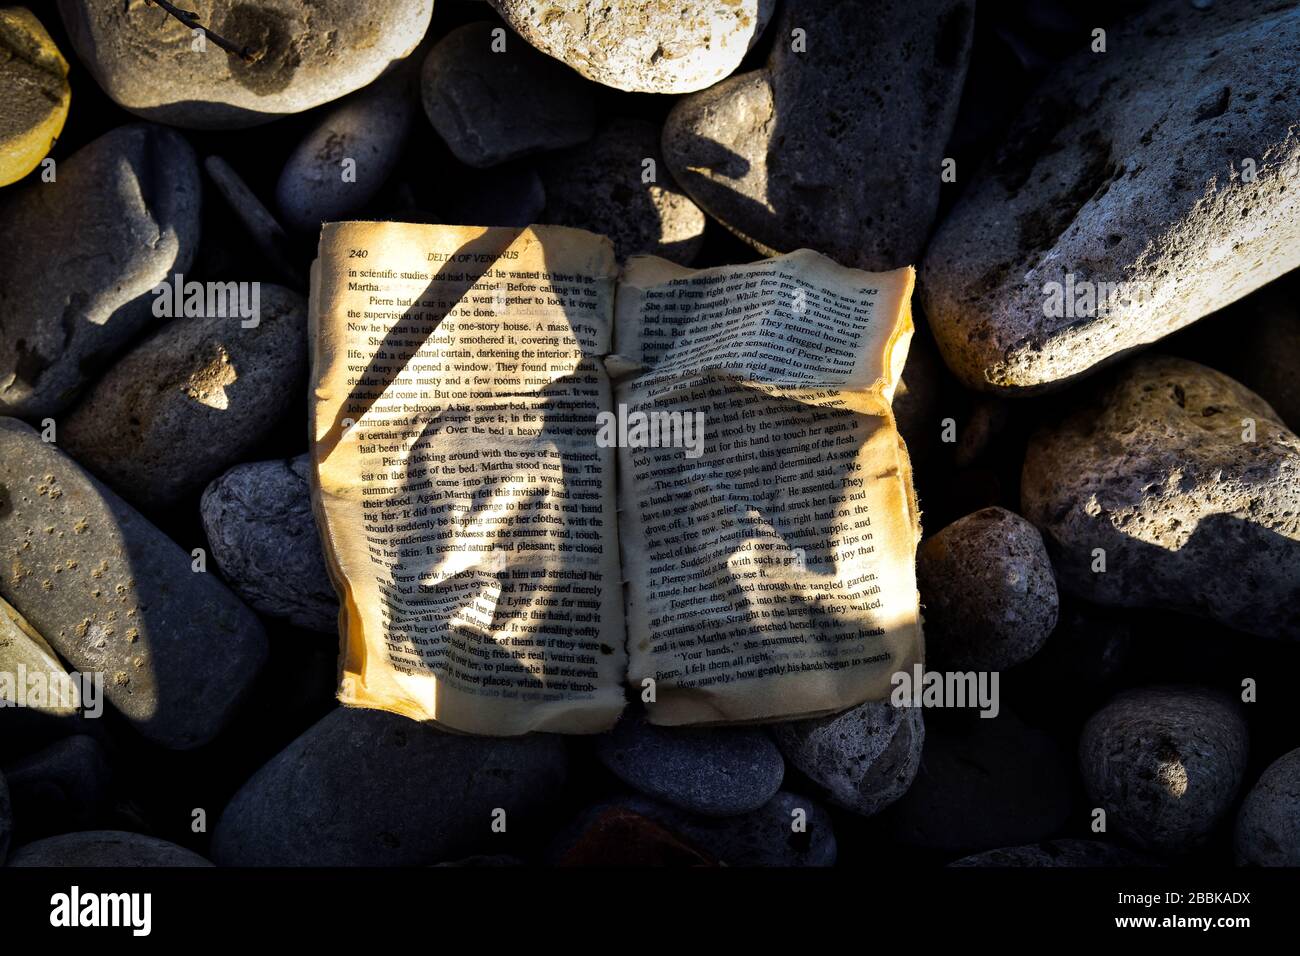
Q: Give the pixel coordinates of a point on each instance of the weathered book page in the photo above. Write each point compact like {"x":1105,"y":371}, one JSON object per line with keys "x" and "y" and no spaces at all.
{"x":469,"y":515}
{"x":770,"y":560}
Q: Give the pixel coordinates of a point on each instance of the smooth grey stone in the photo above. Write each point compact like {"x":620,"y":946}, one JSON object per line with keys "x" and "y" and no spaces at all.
{"x":1125,"y":167}
{"x":490,"y":107}
{"x":987,"y":591}
{"x":1268,"y":824}
{"x":865,"y":757}
{"x":305,"y":54}
{"x":716,"y":771}
{"x":643,"y":47}
{"x":1058,"y":853}
{"x":1165,"y":763}
{"x":121,"y":217}
{"x":990,"y":783}
{"x":108,"y":848}
{"x":59,"y":788}
{"x":600,"y":186}
{"x":263,"y":535}
{"x":369,"y":128}
{"x":191,"y":400}
{"x":113,"y":595}
{"x":765,"y":837}
{"x":1190,"y":513}
{"x":370,"y":788}
{"x":839,"y":147}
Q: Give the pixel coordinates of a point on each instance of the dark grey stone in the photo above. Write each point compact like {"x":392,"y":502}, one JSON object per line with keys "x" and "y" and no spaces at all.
{"x":865,"y":757}
{"x":839,"y":147}
{"x":112,"y":594}
{"x":987,"y":592}
{"x":1268,"y":824}
{"x":490,"y":107}
{"x":191,"y":400}
{"x":788,"y":830}
{"x":716,"y":771}
{"x":1165,"y":763}
{"x":108,"y":848}
{"x":59,"y":788}
{"x":370,"y":788}
{"x":121,"y":217}
{"x":260,"y":525}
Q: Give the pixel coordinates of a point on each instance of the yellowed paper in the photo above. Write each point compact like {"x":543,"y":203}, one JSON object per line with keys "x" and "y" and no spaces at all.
{"x":468,"y":515}
{"x":772,"y":575}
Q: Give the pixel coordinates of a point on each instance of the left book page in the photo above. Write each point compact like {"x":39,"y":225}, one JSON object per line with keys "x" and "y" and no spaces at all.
{"x":469,"y":517}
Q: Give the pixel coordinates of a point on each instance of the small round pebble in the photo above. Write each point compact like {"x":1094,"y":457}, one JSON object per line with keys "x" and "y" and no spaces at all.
{"x":1165,"y":763}
{"x":988,"y":591}
{"x":865,"y":757}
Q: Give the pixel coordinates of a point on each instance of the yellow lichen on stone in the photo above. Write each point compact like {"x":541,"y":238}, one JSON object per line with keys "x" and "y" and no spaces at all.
{"x":34,"y":82}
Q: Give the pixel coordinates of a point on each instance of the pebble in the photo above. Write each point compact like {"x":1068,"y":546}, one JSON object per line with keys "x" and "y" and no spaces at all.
{"x":1268,"y":824}
{"x":987,"y":592}
{"x":304,"y":55}
{"x":34,"y":76}
{"x":1127,"y":168}
{"x":1058,"y":853}
{"x":1189,"y":512}
{"x":794,"y":155}
{"x":59,"y":788}
{"x":715,"y":771}
{"x":992,"y":782}
{"x":492,"y":106}
{"x":788,"y":830}
{"x":193,"y":399}
{"x":260,"y":525}
{"x":602,"y":186}
{"x":122,"y":217}
{"x":115,"y":596}
{"x":642,"y":47}
{"x":318,"y":183}
{"x":1165,"y":763}
{"x":370,"y":788}
{"x":864,"y":758}
{"x":104,"y":848}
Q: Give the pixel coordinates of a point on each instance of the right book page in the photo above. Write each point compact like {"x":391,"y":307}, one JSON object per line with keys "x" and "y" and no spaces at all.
{"x":768,"y":523}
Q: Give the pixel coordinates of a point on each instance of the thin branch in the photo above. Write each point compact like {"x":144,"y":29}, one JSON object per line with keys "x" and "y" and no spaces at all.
{"x":191,"y":20}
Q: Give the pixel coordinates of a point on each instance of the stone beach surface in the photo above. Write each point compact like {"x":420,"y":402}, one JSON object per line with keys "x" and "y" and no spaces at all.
{"x":1117,"y":563}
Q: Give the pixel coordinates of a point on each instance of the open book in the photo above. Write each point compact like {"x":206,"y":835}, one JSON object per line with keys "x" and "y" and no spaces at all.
{"x":540,"y":482}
